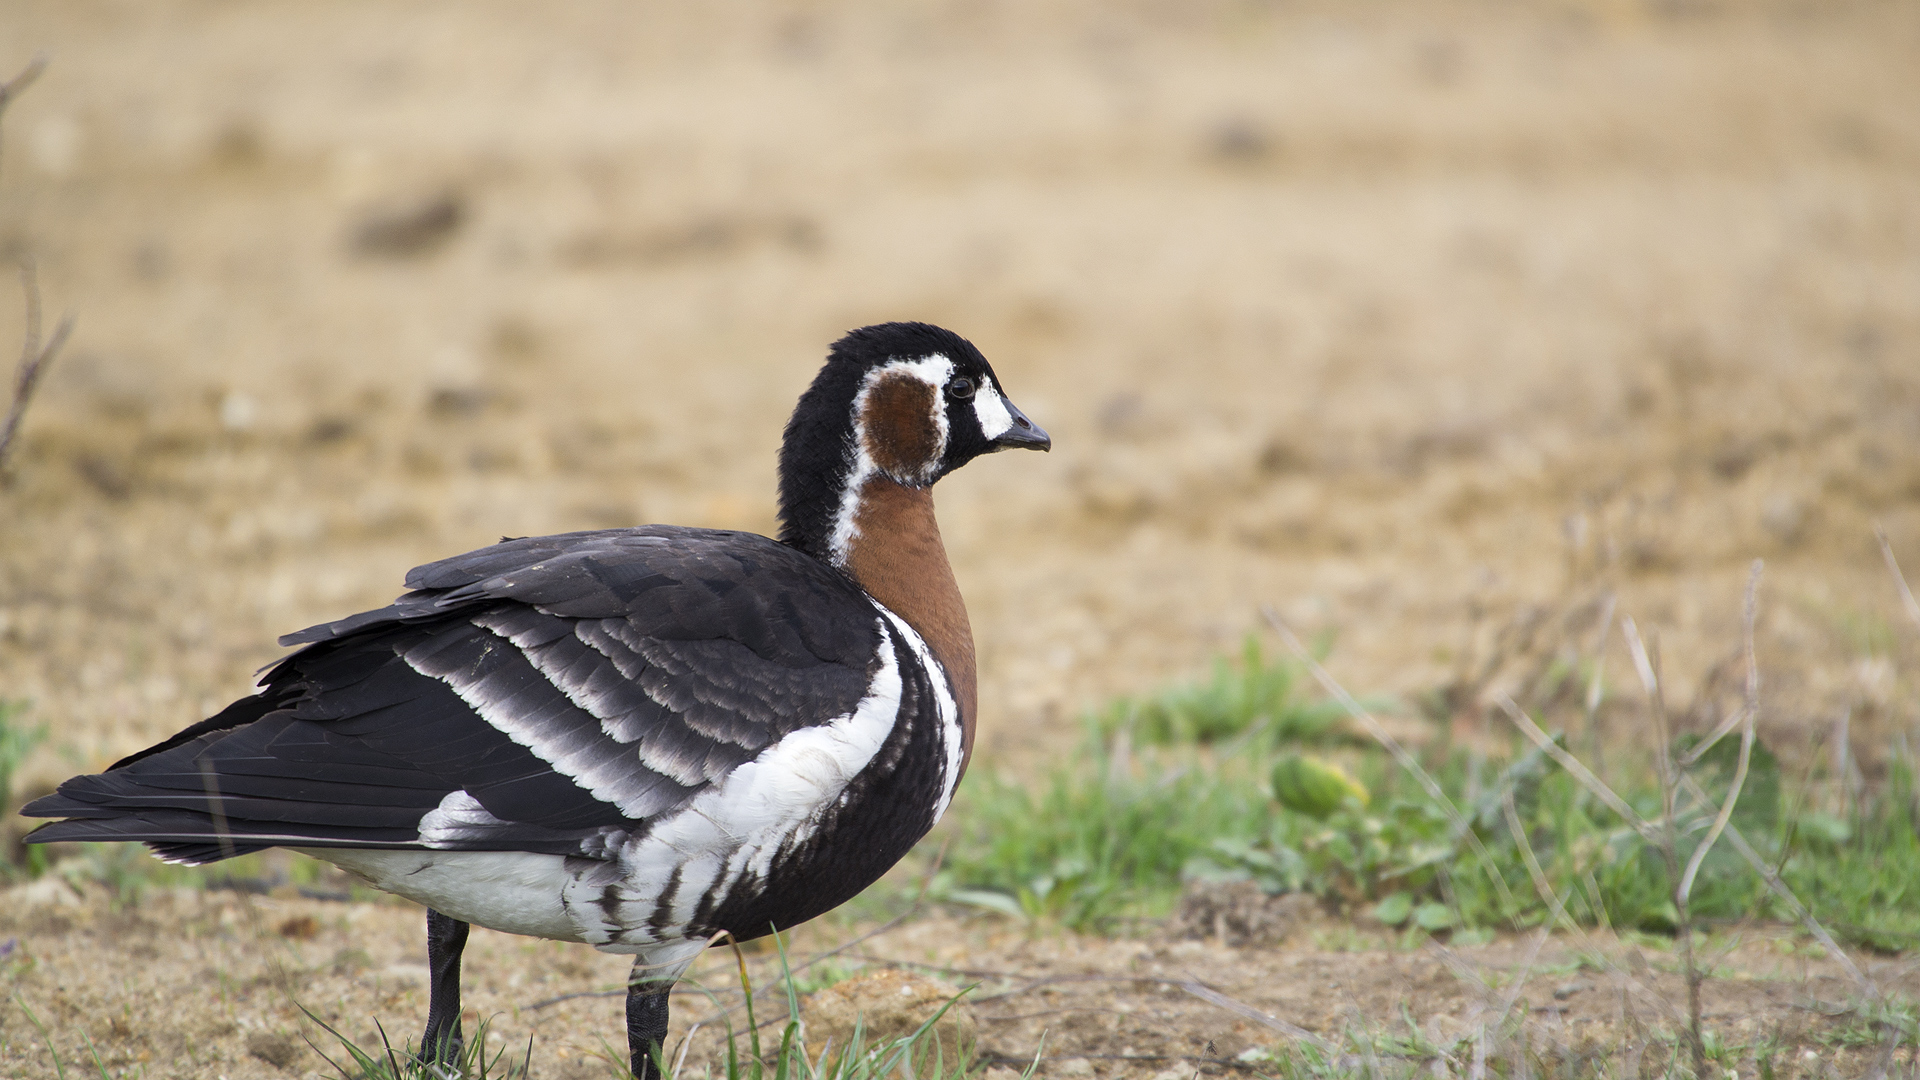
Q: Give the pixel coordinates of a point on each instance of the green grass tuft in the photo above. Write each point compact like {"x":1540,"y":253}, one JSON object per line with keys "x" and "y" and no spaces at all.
{"x":1097,"y":839}
{"x":16,"y":741}
{"x":748,"y":1055}
{"x":389,"y":1063}
{"x":1147,"y":806}
{"x":1257,"y":697}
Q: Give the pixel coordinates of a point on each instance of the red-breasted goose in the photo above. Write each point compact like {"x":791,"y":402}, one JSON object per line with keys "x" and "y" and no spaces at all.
{"x":634,"y":738}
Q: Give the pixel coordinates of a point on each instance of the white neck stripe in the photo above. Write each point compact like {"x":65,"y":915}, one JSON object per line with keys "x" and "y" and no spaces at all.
{"x":934,"y":370}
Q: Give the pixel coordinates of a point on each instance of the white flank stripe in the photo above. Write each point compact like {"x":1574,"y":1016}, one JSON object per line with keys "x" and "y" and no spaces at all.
{"x":595,"y":773}
{"x":732,"y":829}
{"x":743,"y":822}
{"x":951,"y":733}
{"x":609,"y":778}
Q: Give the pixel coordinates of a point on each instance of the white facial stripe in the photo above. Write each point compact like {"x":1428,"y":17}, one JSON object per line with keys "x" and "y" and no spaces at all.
{"x":991,"y":408}
{"x":934,"y":370}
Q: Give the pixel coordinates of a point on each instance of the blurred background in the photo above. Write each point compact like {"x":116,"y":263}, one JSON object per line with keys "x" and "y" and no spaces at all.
{"x":1424,"y":323}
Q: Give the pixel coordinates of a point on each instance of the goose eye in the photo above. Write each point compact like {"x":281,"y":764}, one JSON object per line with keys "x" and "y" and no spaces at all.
{"x":961,"y":388}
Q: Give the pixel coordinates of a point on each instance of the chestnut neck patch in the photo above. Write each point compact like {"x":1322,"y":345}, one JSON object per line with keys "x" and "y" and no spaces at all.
{"x":902,"y":427}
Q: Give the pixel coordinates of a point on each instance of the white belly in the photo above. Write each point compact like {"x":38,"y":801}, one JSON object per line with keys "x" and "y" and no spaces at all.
{"x":518,"y":892}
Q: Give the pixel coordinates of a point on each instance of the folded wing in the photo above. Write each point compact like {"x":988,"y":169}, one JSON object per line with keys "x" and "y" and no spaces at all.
{"x":551,"y":694}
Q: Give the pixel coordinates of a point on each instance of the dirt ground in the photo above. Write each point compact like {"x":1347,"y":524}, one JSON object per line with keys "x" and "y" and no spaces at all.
{"x":1146,"y":1007}
{"x":1407,"y":319}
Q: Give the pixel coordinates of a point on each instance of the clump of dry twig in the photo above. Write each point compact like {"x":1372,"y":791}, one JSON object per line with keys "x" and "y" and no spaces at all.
{"x":36,"y":355}
{"x":1685,"y":804}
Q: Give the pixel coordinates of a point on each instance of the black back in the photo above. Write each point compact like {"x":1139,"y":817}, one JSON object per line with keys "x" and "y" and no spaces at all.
{"x":575,"y":685}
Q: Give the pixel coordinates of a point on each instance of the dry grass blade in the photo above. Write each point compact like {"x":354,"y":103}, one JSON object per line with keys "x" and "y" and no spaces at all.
{"x":12,"y":87}
{"x":1519,"y":983}
{"x":1734,"y":719}
{"x":1239,"y":1008}
{"x":1899,"y":579}
{"x":1667,"y":836}
{"x":1786,"y":894}
{"x":1883,"y":1064}
{"x":1660,"y":837}
{"x":1724,"y":816}
{"x":1642,"y":665}
{"x":1461,"y":828}
{"x":1597,"y":685}
{"x":1357,"y":711}
{"x":35,"y":356}
{"x":1577,"y":769}
{"x":1461,"y":969}
{"x":1746,"y":741}
{"x":1557,"y":905}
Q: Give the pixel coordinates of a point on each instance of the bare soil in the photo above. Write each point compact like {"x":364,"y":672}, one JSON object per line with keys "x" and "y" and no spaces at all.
{"x":1418,"y":322}
{"x":193,"y":983}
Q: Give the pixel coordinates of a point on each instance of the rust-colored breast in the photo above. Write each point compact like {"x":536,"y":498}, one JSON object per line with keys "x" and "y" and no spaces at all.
{"x":899,"y":559}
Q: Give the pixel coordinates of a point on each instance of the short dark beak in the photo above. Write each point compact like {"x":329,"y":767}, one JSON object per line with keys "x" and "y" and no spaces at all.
{"x":1024,"y":434}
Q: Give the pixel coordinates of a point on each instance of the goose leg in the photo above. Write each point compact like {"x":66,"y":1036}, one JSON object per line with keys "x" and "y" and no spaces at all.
{"x":646,"y":1019}
{"x":446,"y":937}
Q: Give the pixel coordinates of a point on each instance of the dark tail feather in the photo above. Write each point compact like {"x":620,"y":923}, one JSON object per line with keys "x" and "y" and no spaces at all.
{"x":189,"y":839}
{"x":200,"y":854}
{"x":187,"y":836}
{"x":245,"y":711}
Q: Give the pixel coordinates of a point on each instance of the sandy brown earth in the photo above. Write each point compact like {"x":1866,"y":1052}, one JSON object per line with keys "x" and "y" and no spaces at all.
{"x":193,"y":984}
{"x":1406,"y":319}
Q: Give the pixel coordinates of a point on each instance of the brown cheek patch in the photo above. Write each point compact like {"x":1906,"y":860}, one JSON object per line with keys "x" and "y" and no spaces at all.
{"x":898,"y":423}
